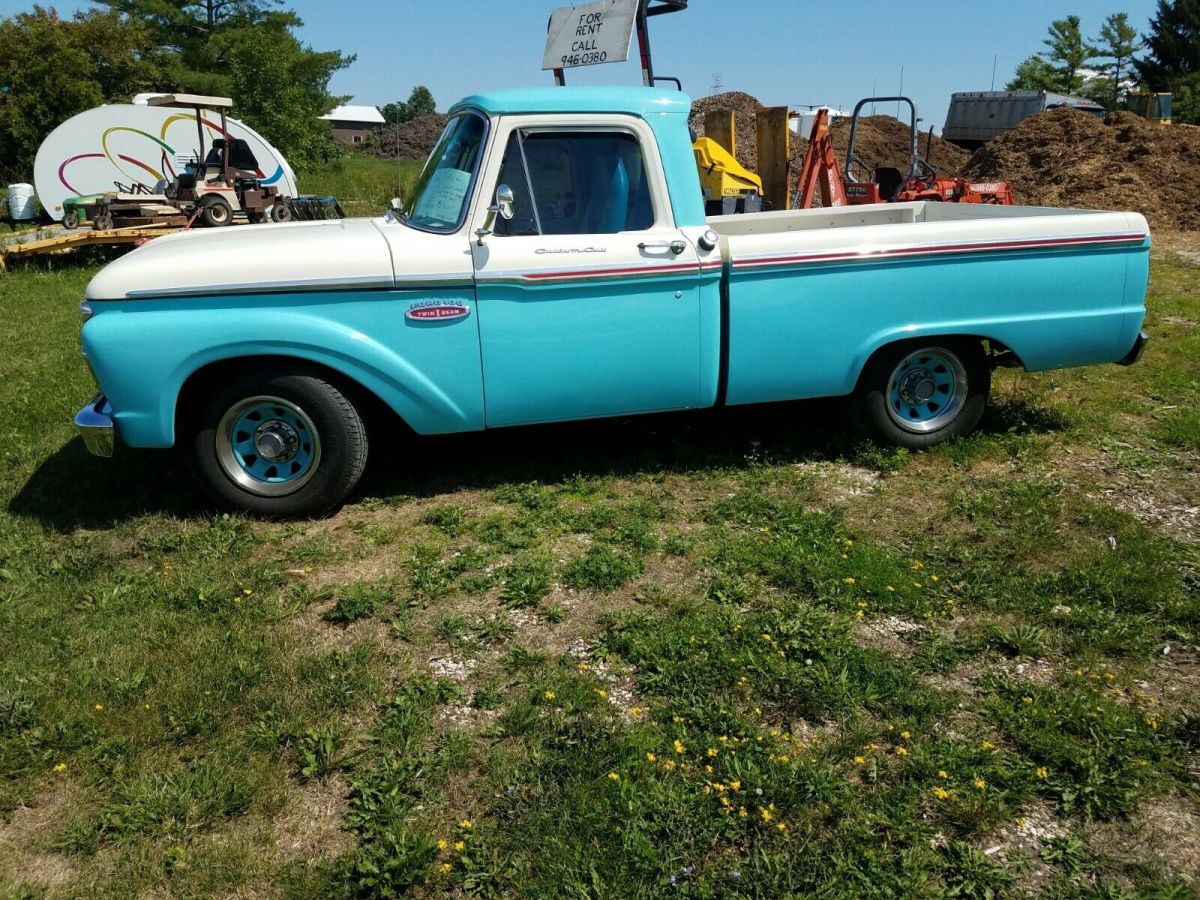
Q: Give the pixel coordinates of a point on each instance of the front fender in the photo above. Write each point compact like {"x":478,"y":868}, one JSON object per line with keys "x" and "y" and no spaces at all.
{"x":143,"y":352}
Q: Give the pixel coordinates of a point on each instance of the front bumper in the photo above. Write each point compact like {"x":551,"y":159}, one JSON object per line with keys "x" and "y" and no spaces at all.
{"x":95,"y":425}
{"x":1135,"y":352}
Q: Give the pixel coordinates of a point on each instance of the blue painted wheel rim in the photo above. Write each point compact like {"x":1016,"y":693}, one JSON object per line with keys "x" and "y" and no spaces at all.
{"x":926,"y":390}
{"x":268,"y":446}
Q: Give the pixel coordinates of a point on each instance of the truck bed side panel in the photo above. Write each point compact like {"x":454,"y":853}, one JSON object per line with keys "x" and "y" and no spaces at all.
{"x":807,"y":310}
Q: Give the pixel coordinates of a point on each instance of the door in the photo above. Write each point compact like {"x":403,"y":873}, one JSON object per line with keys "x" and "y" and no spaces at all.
{"x":588,"y":297}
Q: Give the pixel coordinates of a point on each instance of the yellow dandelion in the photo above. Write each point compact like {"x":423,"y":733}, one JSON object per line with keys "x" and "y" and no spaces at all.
{"x":650,"y":757}
{"x":980,"y":784}
{"x":847,"y":580}
{"x":933,"y":578}
{"x":442,"y":843}
{"x":782,"y":826}
{"x":942,"y":773}
{"x":460,"y":846}
{"x":766,"y":814}
{"x":602,"y":693}
{"x":549,"y":695}
{"x":445,"y":868}
{"x":249,"y":592}
{"x":890,"y":589}
{"x":99,"y":706}
{"x":917,"y":564}
{"x":60,"y":767}
{"x":859,"y":614}
{"x":466,"y":824}
{"x":711,"y":751}
{"x":859,"y":760}
{"x":918,"y":584}
{"x":583,"y":667}
{"x":1042,"y":773}
{"x":678,"y":720}
{"x":900,"y":751}
{"x":941,"y":793}
{"x":613,"y":776}
{"x":906,"y":734}
{"x":735,"y":785}
{"x":988,"y":745}
{"x":669,"y":765}
{"x":742,"y":812}
{"x":678,"y":745}
{"x":1027,"y":700}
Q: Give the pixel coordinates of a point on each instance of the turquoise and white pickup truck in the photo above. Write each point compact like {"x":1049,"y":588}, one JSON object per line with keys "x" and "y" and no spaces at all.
{"x":554,"y":262}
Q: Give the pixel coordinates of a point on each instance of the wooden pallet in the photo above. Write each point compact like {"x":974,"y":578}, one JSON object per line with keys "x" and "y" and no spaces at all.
{"x":84,"y":237}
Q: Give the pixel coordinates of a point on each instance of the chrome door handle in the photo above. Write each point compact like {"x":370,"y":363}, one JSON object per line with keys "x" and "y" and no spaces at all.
{"x":675,"y":247}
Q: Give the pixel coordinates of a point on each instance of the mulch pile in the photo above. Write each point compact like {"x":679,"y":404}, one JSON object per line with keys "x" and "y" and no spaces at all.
{"x":409,"y":140}
{"x":881,"y":140}
{"x":1069,"y":158}
{"x":886,"y":141}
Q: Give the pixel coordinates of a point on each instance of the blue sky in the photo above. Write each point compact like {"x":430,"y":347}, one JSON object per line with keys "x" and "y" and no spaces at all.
{"x":781,"y":51}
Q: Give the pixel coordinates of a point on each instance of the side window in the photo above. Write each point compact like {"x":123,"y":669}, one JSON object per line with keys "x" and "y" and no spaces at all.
{"x":575,"y":183}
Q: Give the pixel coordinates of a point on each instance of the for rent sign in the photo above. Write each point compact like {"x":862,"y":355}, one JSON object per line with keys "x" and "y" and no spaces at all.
{"x":589,"y":34}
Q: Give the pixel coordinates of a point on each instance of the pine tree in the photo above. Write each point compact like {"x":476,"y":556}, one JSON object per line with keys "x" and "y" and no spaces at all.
{"x":1174,"y":44}
{"x":1118,"y":41}
{"x":1068,"y":52}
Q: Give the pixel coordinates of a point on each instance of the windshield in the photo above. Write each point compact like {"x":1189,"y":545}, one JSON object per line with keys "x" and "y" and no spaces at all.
{"x":439,"y":200}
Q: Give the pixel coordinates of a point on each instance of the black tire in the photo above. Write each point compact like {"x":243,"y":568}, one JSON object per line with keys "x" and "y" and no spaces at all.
{"x":70,"y":220}
{"x":281,"y":212}
{"x":256,"y":218}
{"x":923,"y":423}
{"x":341,"y":440}
{"x":217,"y":213}
{"x":103,"y":222}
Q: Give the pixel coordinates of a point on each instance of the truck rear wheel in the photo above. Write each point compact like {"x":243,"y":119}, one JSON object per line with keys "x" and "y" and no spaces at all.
{"x":282,"y":445}
{"x":922,"y":392}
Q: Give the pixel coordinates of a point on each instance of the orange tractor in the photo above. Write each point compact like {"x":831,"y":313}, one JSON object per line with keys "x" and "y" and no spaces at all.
{"x":883,"y":184}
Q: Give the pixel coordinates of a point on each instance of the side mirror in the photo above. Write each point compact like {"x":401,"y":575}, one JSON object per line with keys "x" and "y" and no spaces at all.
{"x":505,"y":203}
{"x":505,"y":207}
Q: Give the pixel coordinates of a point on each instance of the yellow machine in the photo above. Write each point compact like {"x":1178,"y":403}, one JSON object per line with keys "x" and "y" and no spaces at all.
{"x":1150,"y":106}
{"x":728,"y":187}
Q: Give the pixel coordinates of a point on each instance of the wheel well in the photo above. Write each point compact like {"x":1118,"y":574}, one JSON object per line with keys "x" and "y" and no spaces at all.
{"x":375,"y":413}
{"x":996,"y":352}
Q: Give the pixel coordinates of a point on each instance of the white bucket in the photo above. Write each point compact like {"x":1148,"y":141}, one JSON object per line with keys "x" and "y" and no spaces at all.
{"x":22,"y":204}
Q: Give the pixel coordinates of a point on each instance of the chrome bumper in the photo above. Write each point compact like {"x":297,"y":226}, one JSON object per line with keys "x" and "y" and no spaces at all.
{"x":95,"y":425}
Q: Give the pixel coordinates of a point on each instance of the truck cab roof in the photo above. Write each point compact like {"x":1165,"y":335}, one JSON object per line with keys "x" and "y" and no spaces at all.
{"x":638,"y":101}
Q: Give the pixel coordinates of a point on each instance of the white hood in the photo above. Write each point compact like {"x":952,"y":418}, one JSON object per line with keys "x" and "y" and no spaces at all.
{"x":334,"y":253}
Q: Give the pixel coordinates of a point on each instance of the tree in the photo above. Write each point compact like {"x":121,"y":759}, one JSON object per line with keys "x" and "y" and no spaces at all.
{"x":1173,"y":61}
{"x":1118,"y":41}
{"x":210,"y":46}
{"x":420,"y":103}
{"x":1174,"y":44}
{"x":1068,"y":53}
{"x":281,"y":88}
{"x":52,"y":68}
{"x":1034,"y":74}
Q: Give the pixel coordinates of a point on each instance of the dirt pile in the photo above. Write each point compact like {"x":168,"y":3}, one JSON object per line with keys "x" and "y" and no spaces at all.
{"x":409,"y":140}
{"x":886,"y":141}
{"x":1069,"y":158}
{"x":745,"y":110}
{"x":881,"y":140}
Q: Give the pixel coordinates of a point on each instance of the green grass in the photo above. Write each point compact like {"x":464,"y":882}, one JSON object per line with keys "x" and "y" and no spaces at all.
{"x":364,"y":185}
{"x":696,"y":655}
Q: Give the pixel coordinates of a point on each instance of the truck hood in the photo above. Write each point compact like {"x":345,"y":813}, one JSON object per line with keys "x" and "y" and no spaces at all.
{"x":304,"y":256}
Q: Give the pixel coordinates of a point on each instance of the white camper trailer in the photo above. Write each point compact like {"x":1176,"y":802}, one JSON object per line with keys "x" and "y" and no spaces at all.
{"x":138,"y":147}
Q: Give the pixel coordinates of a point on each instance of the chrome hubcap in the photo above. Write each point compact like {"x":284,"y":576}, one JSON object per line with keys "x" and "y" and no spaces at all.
{"x":268,"y":446}
{"x":926,"y":390}
{"x":276,"y":441}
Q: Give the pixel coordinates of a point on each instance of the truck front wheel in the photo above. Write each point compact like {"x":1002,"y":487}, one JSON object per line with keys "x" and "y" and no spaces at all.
{"x":920,"y":393}
{"x":281,"y":445}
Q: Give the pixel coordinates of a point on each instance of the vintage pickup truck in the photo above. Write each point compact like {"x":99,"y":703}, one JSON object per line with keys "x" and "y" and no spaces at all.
{"x":554,"y":262}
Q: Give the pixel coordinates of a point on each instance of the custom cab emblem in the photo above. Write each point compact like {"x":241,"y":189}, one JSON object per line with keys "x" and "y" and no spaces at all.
{"x":437,"y":310}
